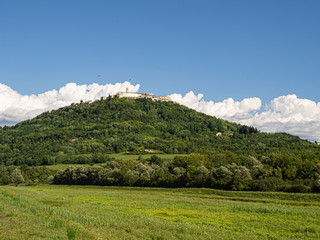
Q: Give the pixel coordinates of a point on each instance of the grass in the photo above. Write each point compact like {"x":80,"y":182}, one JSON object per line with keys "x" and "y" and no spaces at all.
{"x":90,"y":212}
{"x":144,"y":156}
{"x":119,"y":156}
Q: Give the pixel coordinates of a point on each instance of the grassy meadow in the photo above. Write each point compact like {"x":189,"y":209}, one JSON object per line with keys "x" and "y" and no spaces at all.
{"x":118,"y":156}
{"x":90,"y":212}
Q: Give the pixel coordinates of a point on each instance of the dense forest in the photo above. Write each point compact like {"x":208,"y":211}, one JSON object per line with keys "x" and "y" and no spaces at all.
{"x":87,"y":133}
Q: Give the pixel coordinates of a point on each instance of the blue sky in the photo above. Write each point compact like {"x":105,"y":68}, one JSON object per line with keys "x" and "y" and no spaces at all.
{"x":222,"y":49}
{"x":265,"y":55}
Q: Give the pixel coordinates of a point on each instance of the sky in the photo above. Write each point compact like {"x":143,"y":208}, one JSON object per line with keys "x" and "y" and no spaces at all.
{"x":251,"y":62}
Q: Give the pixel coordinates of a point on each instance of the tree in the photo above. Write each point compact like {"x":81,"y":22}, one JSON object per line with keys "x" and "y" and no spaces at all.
{"x":16,"y":177}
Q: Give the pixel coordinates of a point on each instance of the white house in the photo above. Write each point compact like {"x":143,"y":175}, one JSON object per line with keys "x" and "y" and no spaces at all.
{"x":164,"y":99}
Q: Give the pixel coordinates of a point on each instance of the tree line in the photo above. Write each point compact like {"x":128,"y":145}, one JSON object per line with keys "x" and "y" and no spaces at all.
{"x":30,"y":175}
{"x":210,"y":170}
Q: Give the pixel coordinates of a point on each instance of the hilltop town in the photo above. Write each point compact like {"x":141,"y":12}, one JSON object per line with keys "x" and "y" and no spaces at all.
{"x":129,"y":95}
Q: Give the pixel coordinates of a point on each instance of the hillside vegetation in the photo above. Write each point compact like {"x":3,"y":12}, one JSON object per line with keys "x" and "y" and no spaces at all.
{"x":242,"y":158}
{"x":122,"y":125}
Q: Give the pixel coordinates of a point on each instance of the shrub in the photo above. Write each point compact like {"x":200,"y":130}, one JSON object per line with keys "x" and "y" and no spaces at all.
{"x":50,"y":179}
{"x":16,"y":177}
{"x":268,"y":184}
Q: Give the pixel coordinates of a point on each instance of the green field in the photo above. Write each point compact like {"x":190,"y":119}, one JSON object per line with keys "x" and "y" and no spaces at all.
{"x":117,"y":157}
{"x":89,"y":212}
{"x":130,"y":156}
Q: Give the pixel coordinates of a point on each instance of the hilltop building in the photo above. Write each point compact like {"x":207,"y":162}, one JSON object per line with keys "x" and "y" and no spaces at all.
{"x":318,"y":143}
{"x":133,"y":95}
{"x":165,"y":99}
{"x":129,"y":95}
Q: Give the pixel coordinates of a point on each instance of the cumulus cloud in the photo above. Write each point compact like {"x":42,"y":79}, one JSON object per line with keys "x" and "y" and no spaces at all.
{"x":290,"y":114}
{"x":15,"y":107}
{"x":226,"y":109}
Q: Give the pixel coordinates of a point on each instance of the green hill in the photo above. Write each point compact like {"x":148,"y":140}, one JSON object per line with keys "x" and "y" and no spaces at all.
{"x":241,"y":158}
{"x":137,"y":126}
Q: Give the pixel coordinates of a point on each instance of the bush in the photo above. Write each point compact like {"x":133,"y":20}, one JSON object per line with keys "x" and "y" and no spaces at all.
{"x":16,"y":177}
{"x":50,"y":179}
{"x":269,"y":184}
{"x":297,"y":188}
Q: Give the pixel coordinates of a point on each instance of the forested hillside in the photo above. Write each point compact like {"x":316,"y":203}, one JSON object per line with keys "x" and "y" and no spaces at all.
{"x":88,"y":132}
{"x":240,"y":158}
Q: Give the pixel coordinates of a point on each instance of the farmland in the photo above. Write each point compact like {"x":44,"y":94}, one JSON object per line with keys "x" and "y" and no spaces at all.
{"x":91,"y":212}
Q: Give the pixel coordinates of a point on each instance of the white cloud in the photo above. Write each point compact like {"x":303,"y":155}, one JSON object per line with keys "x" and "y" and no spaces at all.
{"x":283,"y":114}
{"x":15,"y":107}
{"x":290,"y":114}
{"x":227,"y":108}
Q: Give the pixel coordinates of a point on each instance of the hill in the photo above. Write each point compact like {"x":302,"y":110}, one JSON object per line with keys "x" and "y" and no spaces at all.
{"x":238,"y":158}
{"x":86,"y":133}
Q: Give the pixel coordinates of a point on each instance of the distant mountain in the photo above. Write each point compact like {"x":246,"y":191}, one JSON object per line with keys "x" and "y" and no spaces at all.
{"x":121,"y":125}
